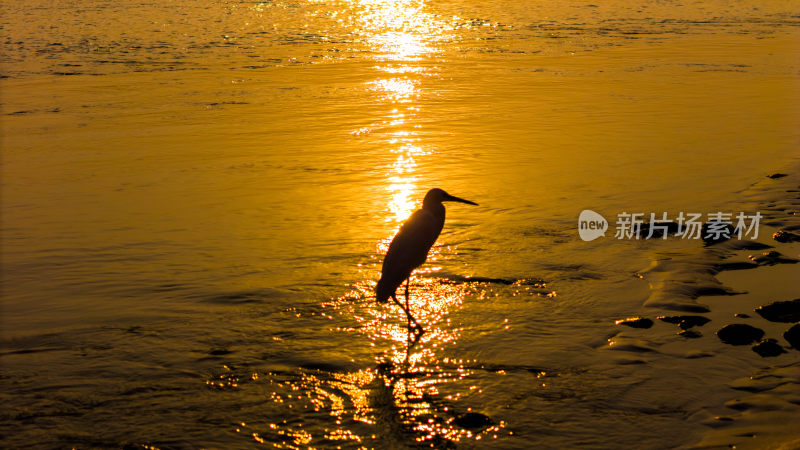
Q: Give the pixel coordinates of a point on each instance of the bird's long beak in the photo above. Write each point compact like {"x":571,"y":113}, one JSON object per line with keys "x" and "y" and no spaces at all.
{"x":453,"y":198}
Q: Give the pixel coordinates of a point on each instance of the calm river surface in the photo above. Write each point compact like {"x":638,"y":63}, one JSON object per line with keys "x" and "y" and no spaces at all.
{"x":197,"y":196}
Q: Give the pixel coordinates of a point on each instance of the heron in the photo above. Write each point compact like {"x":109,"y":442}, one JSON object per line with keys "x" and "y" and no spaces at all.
{"x":410,"y":246}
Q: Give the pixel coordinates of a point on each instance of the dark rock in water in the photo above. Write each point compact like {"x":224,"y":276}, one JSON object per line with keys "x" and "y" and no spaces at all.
{"x":742,"y":315}
{"x":690,"y":334}
{"x":454,"y":278}
{"x":736,"y":265}
{"x":771,"y":258}
{"x":768,"y":348}
{"x":535,"y":282}
{"x":219,"y":351}
{"x":670,"y":319}
{"x":788,"y":311}
{"x":785,"y":236}
{"x":696,"y":354}
{"x":630,"y":361}
{"x":656,"y":230}
{"x":636,"y":322}
{"x":472,"y":421}
{"x":716,"y":232}
{"x":704,"y":291}
{"x":692,"y":321}
{"x":792,"y":336}
{"x":776,"y":175}
{"x":487,"y":280}
{"x":685,"y":306}
{"x":747,"y":245}
{"x":740,"y":334}
{"x":685,"y":322}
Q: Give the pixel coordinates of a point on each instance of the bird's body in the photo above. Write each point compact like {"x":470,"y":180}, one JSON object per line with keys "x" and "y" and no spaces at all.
{"x":410,"y":246}
{"x":409,"y":250}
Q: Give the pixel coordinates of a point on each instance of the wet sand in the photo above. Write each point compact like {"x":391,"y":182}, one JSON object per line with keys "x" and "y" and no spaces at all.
{"x":764,"y":409}
{"x":723,"y":284}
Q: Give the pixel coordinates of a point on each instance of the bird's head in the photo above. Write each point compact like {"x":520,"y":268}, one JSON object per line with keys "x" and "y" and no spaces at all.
{"x":437,"y":195}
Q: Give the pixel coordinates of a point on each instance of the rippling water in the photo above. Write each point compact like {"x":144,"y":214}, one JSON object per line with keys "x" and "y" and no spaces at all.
{"x":196,"y":198}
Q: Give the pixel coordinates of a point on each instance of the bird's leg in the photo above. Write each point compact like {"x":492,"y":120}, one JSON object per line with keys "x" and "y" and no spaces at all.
{"x":408,"y":326}
{"x":408,"y":347}
{"x":418,"y":329}
{"x":408,"y":308}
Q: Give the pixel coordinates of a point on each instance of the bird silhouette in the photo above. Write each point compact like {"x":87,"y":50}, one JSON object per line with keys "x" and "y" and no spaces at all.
{"x":409,"y":248}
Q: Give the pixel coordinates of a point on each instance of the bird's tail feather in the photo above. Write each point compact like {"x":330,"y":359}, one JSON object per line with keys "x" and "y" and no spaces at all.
{"x":384,"y":290}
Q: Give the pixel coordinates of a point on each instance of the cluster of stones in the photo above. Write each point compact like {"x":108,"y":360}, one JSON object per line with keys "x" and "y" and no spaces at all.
{"x":738,"y":333}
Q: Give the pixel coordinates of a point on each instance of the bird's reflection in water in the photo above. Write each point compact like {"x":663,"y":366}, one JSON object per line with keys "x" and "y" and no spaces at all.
{"x":414,"y":392}
{"x":411,"y":394}
{"x":402,"y":405}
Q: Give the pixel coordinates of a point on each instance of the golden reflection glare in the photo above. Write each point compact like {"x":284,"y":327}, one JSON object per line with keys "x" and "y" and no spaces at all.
{"x":400,"y":32}
{"x":396,"y":90}
{"x":400,"y":29}
{"x":407,"y":378}
{"x":402,"y":46}
{"x":402,"y":69}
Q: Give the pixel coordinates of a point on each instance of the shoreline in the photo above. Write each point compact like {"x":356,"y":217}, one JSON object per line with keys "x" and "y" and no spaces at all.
{"x":723,"y":284}
{"x":763,"y":406}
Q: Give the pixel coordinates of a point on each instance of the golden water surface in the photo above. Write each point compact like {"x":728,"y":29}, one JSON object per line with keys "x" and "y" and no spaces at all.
{"x":197,"y":196}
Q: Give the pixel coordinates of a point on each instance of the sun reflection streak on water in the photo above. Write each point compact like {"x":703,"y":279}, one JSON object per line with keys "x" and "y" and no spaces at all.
{"x":401,"y":29}
{"x":402,"y":46}
{"x":396,"y":90}
{"x":403,"y":389}
{"x":402,"y":34}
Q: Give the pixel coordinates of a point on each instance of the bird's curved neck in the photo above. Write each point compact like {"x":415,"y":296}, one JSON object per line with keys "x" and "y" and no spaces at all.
{"x":434,"y":207}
